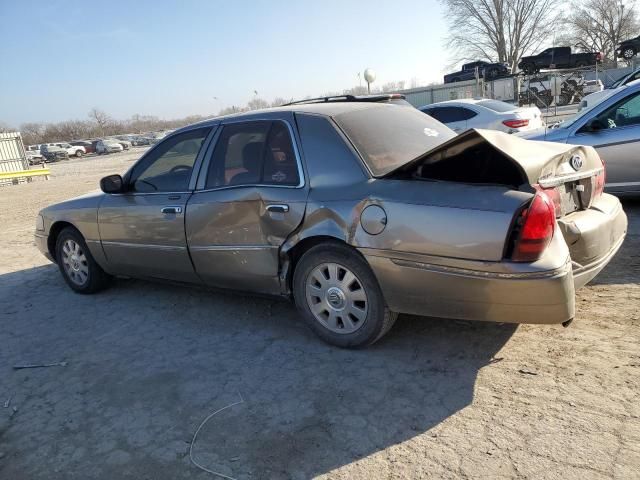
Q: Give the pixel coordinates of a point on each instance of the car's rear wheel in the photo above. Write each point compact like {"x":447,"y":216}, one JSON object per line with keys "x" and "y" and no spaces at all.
{"x":77,"y":265}
{"x":628,"y":53}
{"x":339,"y":297}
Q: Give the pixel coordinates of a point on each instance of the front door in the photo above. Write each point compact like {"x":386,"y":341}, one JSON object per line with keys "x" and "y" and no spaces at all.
{"x":251,"y":197}
{"x":142,"y":230}
{"x":618,"y":143}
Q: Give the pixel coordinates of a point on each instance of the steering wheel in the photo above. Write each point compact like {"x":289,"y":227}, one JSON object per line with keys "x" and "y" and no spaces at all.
{"x":179,"y":168}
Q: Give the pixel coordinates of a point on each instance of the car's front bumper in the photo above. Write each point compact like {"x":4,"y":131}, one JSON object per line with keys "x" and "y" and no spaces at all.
{"x":42,"y":244}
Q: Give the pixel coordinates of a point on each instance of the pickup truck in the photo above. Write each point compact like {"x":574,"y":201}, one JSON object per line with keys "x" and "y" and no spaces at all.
{"x":558,"y":57}
{"x":486,"y":70}
{"x":628,"y":48}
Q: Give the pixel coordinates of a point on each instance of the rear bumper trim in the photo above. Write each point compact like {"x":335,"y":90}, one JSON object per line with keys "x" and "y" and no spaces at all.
{"x":476,"y":273}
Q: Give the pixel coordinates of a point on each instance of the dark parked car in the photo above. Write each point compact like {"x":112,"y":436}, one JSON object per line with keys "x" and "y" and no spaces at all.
{"x":629,"y":48}
{"x":356,"y":210}
{"x":558,"y":57}
{"x":486,"y":70}
{"x":88,"y":145}
{"x":54,"y":153}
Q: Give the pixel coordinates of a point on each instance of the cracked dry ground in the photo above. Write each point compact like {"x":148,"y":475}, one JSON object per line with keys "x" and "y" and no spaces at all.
{"x":436,"y":398}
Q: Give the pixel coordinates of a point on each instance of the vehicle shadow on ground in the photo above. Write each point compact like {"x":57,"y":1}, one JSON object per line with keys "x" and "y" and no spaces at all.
{"x":148,"y":362}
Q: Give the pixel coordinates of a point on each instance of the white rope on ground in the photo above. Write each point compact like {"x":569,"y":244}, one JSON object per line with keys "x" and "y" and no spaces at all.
{"x":198,"y":431}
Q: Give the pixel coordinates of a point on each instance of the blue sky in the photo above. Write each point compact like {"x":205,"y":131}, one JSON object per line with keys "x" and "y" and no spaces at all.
{"x":171,"y":58}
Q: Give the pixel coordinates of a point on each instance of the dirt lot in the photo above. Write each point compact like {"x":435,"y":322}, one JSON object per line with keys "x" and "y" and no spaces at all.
{"x":445,"y":399}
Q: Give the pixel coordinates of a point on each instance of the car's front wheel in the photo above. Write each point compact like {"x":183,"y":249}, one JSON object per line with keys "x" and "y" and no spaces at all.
{"x":77,"y":265}
{"x":339,"y":297}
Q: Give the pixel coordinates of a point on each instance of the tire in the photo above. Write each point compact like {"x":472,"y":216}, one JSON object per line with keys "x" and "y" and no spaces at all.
{"x":76,"y":264}
{"x":628,"y":53}
{"x":319,"y":280}
{"x":78,"y":153}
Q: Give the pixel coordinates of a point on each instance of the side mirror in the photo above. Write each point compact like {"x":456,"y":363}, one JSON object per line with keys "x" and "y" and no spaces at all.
{"x":595,"y":125}
{"x":112,"y":184}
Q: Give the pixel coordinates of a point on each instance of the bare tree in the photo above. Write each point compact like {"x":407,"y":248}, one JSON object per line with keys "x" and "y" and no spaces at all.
{"x":600,"y":25}
{"x":257,"y":104}
{"x":100,"y":118}
{"x":499,"y":30}
{"x":5,"y":128}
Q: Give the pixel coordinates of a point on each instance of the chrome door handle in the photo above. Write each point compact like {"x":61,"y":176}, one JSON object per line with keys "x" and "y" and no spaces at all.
{"x":280,"y":208}
{"x":171,"y":209}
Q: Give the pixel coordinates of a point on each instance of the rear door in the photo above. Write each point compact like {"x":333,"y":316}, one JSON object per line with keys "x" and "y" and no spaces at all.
{"x":618,"y":143}
{"x":251,"y":196}
{"x":142,"y":231}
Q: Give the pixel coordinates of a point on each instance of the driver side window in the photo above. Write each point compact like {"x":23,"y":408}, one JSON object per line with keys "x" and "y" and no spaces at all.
{"x":168,"y":167}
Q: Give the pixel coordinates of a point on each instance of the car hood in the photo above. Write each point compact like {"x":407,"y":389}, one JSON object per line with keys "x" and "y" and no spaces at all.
{"x":531,"y":159}
{"x":89,"y":200}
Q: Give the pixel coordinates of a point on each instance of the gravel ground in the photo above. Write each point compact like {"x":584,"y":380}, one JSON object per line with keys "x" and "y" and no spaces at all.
{"x":146,"y":364}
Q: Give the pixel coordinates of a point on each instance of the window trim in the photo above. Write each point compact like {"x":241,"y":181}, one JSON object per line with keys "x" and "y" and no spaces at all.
{"x":213,"y":129}
{"x":202,"y":177}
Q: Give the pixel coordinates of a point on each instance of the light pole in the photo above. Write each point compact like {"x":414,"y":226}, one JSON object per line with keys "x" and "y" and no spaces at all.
{"x":370,"y":77}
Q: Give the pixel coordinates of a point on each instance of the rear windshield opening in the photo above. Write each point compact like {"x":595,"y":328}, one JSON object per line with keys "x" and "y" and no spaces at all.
{"x":479,"y":164}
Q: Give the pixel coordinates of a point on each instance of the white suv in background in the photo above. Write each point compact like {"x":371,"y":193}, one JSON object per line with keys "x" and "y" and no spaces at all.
{"x":72,"y":150}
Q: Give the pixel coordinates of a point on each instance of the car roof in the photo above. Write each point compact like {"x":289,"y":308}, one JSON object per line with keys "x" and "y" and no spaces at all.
{"x":329,"y":109}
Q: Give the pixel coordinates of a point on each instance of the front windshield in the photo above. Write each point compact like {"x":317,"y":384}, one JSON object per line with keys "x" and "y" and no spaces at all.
{"x":389,"y":136}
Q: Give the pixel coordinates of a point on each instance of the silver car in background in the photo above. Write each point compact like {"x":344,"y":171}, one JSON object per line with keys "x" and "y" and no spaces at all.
{"x":613,"y":128}
{"x":108,"y":146}
{"x":461,"y":115}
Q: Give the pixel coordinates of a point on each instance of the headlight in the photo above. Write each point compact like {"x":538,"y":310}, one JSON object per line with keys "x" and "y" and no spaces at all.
{"x":40,"y":223}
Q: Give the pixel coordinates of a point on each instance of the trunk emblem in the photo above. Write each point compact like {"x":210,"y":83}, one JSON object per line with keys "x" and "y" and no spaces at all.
{"x":576,"y":162}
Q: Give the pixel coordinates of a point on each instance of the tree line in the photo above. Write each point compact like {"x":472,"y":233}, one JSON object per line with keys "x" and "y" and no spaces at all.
{"x":100,"y":124}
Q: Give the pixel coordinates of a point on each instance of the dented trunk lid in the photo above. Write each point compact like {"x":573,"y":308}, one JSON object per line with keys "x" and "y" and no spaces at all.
{"x":512,"y":161}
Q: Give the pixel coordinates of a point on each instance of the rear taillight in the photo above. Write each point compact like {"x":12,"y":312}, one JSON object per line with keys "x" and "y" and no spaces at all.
{"x":534,"y":229}
{"x":600,"y":180}
{"x":516,"y":123}
{"x":553,"y":195}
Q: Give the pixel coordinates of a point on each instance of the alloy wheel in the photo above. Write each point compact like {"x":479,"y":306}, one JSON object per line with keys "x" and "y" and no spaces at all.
{"x":336,"y":298}
{"x":75,"y":262}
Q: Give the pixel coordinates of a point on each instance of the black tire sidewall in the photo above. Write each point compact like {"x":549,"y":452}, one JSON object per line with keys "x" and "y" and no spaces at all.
{"x":97,"y":278}
{"x":374,"y":323}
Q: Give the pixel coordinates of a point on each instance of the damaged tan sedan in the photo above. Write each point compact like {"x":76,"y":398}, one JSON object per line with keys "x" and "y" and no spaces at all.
{"x":356,"y":208}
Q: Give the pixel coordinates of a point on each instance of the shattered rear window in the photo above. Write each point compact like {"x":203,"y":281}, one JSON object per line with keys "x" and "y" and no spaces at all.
{"x":389,"y":136}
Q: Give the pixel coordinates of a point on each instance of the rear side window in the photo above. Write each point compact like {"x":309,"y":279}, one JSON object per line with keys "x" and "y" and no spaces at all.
{"x":253,"y":153}
{"x":330,"y":161}
{"x":451,"y":114}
